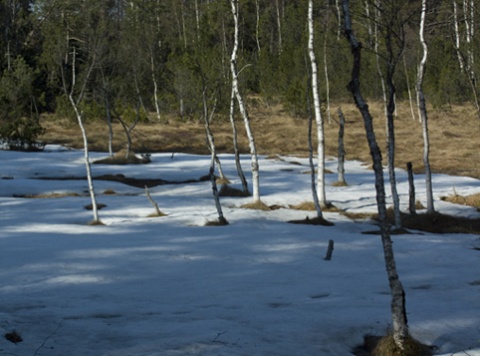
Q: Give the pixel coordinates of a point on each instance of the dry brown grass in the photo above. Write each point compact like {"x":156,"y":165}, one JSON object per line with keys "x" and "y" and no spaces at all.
{"x":453,"y":136}
{"x":217,"y":222}
{"x":386,"y":347}
{"x":470,"y":200}
{"x":157,"y":215}
{"x":256,"y":205}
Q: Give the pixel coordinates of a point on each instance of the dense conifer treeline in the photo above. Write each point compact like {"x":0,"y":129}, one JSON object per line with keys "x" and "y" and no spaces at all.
{"x":151,"y":58}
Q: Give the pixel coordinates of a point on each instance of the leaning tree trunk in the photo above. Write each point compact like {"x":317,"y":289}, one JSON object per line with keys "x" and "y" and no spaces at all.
{"x":318,"y":114}
{"x":211,"y":144}
{"x":91,"y":188}
{"x":391,"y":64}
{"x":423,"y":113}
{"x":243,"y":109}
{"x":78,"y":114}
{"x":399,"y":315}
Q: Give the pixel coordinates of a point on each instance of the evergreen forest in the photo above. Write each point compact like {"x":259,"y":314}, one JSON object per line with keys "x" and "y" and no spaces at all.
{"x":149,"y":59}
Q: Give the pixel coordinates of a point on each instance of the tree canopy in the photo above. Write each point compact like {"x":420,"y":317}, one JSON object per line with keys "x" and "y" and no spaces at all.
{"x":153,"y":56}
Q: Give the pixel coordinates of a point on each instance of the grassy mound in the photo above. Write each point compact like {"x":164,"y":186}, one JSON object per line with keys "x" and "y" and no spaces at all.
{"x":312,"y":221}
{"x":385,"y":346}
{"x":122,"y":158}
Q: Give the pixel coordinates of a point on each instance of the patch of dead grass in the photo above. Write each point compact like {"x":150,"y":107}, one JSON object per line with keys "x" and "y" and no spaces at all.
{"x":157,"y":215}
{"x":310,"y":206}
{"x":452,"y":136}
{"x":217,"y":222}
{"x":312,"y":221}
{"x":256,"y":205}
{"x":470,"y":200}
{"x":339,"y":184}
{"x":385,"y":346}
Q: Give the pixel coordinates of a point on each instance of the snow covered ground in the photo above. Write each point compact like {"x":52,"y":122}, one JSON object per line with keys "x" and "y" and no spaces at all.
{"x":259,"y":286}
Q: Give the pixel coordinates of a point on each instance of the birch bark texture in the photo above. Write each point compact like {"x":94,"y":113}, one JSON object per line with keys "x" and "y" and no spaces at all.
{"x":398,"y":310}
{"x":242,"y":107}
{"x":422,"y":108}
{"x":75,"y":105}
{"x":318,"y":113}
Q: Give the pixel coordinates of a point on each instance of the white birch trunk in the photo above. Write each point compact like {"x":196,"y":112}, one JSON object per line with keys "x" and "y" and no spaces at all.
{"x":410,"y":97}
{"x":78,"y":114}
{"x":279,"y":26}
{"x":155,"y":86}
{"x":327,"y":81}
{"x":243,"y":109}
{"x":318,"y":114}
{"x":238,"y":164}
{"x":457,"y":35}
{"x":423,"y":112}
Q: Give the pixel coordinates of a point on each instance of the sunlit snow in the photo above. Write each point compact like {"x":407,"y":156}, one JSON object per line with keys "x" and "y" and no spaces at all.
{"x":259,"y":286}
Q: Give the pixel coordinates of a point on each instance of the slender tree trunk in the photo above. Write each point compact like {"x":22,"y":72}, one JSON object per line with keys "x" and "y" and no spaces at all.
{"x":391,"y":153}
{"x":108,"y":114}
{"x":238,"y":164}
{"x":78,"y":114}
{"x":155,"y":86}
{"x":399,"y":315}
{"x":243,"y":109}
{"x":316,"y":202}
{"x":411,"y":190}
{"x":257,"y":26}
{"x":327,"y":81}
{"x":211,"y":144}
{"x":279,"y":27}
{"x":318,"y":114}
{"x":139,"y":95}
{"x":341,"y":148}
{"x":377,"y":55}
{"x":391,"y":64}
{"x":410,"y":98}
{"x":423,"y":112}
{"x":457,"y":35}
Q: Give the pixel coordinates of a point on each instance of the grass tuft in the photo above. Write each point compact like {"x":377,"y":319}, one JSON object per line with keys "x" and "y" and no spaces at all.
{"x":156,"y":215}
{"x":96,"y":223}
{"x":218,"y":222}
{"x":339,"y":184}
{"x":257,"y":205}
{"x":470,"y":200}
{"x":386,"y":347}
{"x":312,"y":221}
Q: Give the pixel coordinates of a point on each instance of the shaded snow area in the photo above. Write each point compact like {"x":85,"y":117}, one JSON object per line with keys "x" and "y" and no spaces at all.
{"x":259,"y":286}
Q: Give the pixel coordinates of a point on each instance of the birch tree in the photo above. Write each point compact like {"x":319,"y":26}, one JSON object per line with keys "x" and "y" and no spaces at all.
{"x":398,"y":309}
{"x":423,"y":111}
{"x":242,"y":107}
{"x":318,"y":114}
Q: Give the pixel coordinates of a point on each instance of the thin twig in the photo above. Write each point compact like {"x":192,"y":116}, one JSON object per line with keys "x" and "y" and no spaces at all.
{"x":46,"y":339}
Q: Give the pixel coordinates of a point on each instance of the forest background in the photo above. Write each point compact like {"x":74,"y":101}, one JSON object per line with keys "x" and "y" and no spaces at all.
{"x":158,"y":64}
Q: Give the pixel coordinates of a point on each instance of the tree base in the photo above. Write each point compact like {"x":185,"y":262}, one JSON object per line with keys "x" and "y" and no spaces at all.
{"x":385,"y":346}
{"x":219,"y":222}
{"x":312,"y":221}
